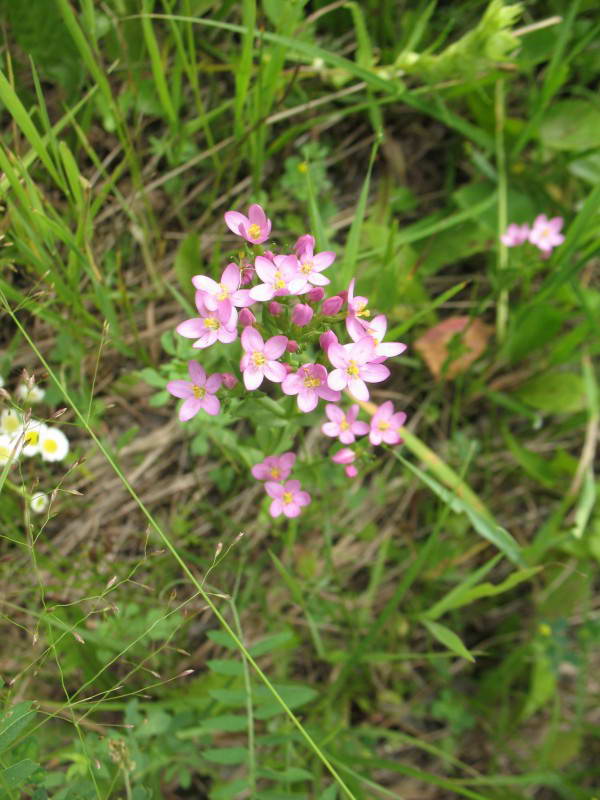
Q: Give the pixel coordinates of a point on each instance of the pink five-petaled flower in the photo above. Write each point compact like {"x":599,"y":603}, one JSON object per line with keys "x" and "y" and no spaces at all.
{"x":260,"y":358}
{"x":354,"y":367}
{"x":545,"y":233}
{"x":255,"y":228}
{"x":219,"y":323}
{"x":515,"y":235}
{"x":274,"y":468}
{"x":311,"y":265}
{"x":225,"y":293}
{"x":345,"y":426}
{"x":309,"y":383}
{"x":197,"y":393}
{"x":280,"y":277}
{"x":376,"y":329}
{"x":288,"y":498}
{"x":385,"y":425}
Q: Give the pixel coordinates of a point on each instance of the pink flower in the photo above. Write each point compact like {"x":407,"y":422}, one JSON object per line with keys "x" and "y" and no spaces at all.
{"x":316,"y":295}
{"x":226,"y":293}
{"x":545,"y":233}
{"x":212,"y":325}
{"x":287,"y":498}
{"x":246,"y":317}
{"x":197,"y":393}
{"x":229,"y":380}
{"x":345,"y":426}
{"x":357,"y":305}
{"x":515,"y":235}
{"x":327,"y":338}
{"x":376,"y":329}
{"x":274,"y":468}
{"x":332,"y":305}
{"x":354,"y":367}
{"x":260,"y":358}
{"x":385,"y":425}
{"x":302,"y":314}
{"x":255,"y":228}
{"x":346,"y":457}
{"x":280,"y":277}
{"x":312,"y":265}
{"x":309,"y":383}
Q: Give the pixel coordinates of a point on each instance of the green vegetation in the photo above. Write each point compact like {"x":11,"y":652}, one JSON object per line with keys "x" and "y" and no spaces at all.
{"x":426,"y":630}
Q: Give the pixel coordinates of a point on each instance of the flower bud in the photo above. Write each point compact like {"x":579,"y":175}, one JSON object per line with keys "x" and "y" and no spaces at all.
{"x":344,"y":296}
{"x":302,"y":314}
{"x":306,"y":242}
{"x":351,"y":471}
{"x":291,"y":346}
{"x":332,"y":305}
{"x":289,"y":368}
{"x":316,"y":295}
{"x":344,"y":456}
{"x":229,"y":380}
{"x":327,"y":338}
{"x":275,"y":308}
{"x":246,"y":317}
{"x":246,"y":276}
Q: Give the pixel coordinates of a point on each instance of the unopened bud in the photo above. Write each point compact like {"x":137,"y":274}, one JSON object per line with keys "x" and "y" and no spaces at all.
{"x":344,"y":456}
{"x":275,"y":308}
{"x":316,"y":295}
{"x":302,"y":314}
{"x":246,"y":276}
{"x":229,"y":380}
{"x":326,"y":339}
{"x":246,"y":317}
{"x":291,"y":346}
{"x":332,"y":305}
{"x":351,"y":471}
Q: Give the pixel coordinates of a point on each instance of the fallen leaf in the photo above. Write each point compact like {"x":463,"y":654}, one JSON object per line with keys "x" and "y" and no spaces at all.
{"x":435,"y":348}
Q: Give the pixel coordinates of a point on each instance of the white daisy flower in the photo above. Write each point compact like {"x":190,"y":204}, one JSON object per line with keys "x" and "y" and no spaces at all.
{"x":30,"y":395}
{"x":53,"y":444}
{"x":39,"y":502}
{"x":32,"y":431}
{"x":11,"y":422}
{"x":10,"y":449}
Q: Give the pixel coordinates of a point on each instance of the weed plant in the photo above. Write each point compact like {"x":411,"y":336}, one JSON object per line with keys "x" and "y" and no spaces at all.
{"x":418,"y":619}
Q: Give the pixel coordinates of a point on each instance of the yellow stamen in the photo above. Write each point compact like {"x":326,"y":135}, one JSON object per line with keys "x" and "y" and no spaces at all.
{"x":311,"y":383}
{"x":199,"y":391}
{"x":224,"y":293}
{"x":258,"y":359}
{"x":211,"y":322}
{"x":254,"y":231}
{"x":307,"y":267}
{"x":383,"y":425}
{"x":275,"y":473}
{"x":344,"y":425}
{"x":352,"y":369}
{"x":31,"y":437}
{"x":279,"y":282}
{"x":50,"y":446}
{"x":288,"y":497}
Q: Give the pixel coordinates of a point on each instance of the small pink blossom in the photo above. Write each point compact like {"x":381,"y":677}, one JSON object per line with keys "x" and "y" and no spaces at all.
{"x":280,"y":277}
{"x":376,"y":329}
{"x":288,"y":498}
{"x":357,"y":305}
{"x":311,"y":265}
{"x":316,"y":295}
{"x":246,"y":318}
{"x":346,"y":456}
{"x":302,"y":314}
{"x":327,"y":338}
{"x":332,"y":305}
{"x":260,"y":358}
{"x":274,"y":468}
{"x":199,"y":393}
{"x":225,"y":293}
{"x":545,"y":233}
{"x":351,"y":471}
{"x":255,"y":228}
{"x":310,"y":384}
{"x":212,"y":324}
{"x":385,"y":425}
{"x":354,"y":366}
{"x":515,"y":235}
{"x":345,"y":426}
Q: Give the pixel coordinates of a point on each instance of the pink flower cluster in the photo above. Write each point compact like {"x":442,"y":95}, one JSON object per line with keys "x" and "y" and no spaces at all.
{"x":276,"y":304}
{"x":544,"y":234}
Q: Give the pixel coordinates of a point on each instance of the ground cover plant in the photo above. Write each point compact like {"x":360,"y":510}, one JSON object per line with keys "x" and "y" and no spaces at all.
{"x":262,"y":537}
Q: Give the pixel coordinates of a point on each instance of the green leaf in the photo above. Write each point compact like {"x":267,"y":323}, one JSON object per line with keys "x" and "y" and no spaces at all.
{"x":448,"y":638}
{"x":231,"y":790}
{"x":571,"y":125}
{"x":222,"y":638}
{"x":554,"y":392}
{"x":230,"y":723}
{"x":226,"y":755}
{"x":223,"y":666}
{"x":13,"y":722}
{"x":18,"y":774}
{"x":289,"y":775}
{"x":270,"y":643}
{"x":293,"y":696}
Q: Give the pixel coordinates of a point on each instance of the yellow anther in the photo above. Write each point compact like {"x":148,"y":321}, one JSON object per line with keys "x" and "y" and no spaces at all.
{"x":288,"y":497}
{"x":352,"y":369}
{"x":307,"y":267}
{"x":344,"y":425}
{"x":258,"y":359}
{"x":310,"y":382}
{"x":383,"y":425}
{"x":254,"y":231}
{"x":275,"y":474}
{"x":211,"y":322}
{"x":199,"y":391}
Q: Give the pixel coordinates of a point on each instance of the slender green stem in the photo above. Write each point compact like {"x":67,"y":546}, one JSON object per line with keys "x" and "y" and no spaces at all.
{"x":502,"y":308}
{"x":249,"y":708}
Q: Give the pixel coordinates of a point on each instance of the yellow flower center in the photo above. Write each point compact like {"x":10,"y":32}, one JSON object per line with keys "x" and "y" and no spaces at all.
{"x":383,"y":425}
{"x":344,"y":425}
{"x":254,"y":231}
{"x":307,"y":267}
{"x":50,"y":446}
{"x":279,"y":282}
{"x":258,"y":359}
{"x":199,"y":391}
{"x":288,"y":497}
{"x":352,"y":369}
{"x":31,"y":437}
{"x":275,"y":473}
{"x":224,"y":293}
{"x":211,"y":322}
{"x":311,"y":382}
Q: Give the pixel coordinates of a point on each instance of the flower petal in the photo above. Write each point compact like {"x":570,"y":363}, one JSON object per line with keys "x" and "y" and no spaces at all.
{"x":189,"y":409}
{"x":275,"y":371}
{"x":205,"y":284}
{"x":197,"y":373}
{"x":231,"y":277}
{"x":233,"y":220}
{"x":274,"y":489}
{"x":307,"y":400}
{"x":191,"y":328}
{"x":337,"y":355}
{"x":275,"y":346}
{"x":179,"y":388}
{"x":262,"y":292}
{"x":252,"y":340}
{"x":211,"y":404}
{"x":374,"y":373}
{"x":213,"y":383}
{"x":253,"y":377}
{"x":338,"y":379}
{"x":358,"y":389}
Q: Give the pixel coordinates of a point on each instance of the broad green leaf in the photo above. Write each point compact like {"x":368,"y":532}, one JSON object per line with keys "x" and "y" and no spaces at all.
{"x":223,"y":666}
{"x":226,"y":755}
{"x":542,"y":685}
{"x":294,"y":696}
{"x":231,"y":790}
{"x":270,"y":643}
{"x":289,"y":775}
{"x":14,"y":721}
{"x":230,"y":723}
{"x":554,"y":392}
{"x":222,"y":638}
{"x":448,"y":638}
{"x":571,"y":125}
{"x":18,"y":774}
